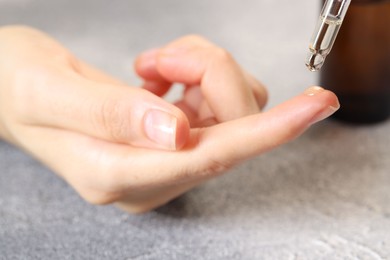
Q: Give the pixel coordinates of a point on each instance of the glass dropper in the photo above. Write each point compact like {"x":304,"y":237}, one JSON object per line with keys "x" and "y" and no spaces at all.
{"x":325,"y":33}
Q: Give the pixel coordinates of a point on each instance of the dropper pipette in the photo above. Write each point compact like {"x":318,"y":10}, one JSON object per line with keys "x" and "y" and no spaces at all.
{"x":329,"y":23}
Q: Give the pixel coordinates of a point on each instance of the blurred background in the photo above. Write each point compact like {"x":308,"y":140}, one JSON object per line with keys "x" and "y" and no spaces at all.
{"x":323,"y":196}
{"x":265,"y":36}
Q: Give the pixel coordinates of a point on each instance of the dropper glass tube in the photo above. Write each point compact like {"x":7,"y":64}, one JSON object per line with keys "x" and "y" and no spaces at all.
{"x":325,"y":33}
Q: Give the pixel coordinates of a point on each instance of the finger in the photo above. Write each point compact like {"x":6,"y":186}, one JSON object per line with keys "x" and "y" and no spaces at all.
{"x":250,"y":136}
{"x":146,"y":65}
{"x":154,"y":82}
{"x":194,"y":61}
{"x":112,"y":112}
{"x":213,"y":150}
{"x":157,"y":88}
{"x":221,"y":80}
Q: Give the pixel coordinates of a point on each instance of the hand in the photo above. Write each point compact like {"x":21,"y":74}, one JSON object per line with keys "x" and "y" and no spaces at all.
{"x":117,"y":144}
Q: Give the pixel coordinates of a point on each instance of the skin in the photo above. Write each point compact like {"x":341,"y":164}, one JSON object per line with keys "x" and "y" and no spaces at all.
{"x":119,"y":144}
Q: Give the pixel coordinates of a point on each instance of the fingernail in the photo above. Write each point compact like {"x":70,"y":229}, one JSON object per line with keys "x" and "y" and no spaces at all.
{"x":325,"y":113}
{"x":160,"y":127}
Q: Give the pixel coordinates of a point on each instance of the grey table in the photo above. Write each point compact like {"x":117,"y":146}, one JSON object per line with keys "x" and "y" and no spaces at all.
{"x":323,"y":196}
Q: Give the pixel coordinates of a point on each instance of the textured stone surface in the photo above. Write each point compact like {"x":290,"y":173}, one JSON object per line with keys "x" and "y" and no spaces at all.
{"x":323,"y":196}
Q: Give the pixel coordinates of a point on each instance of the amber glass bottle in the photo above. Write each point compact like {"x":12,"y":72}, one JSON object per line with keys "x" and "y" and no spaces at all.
{"x":358,"y":68}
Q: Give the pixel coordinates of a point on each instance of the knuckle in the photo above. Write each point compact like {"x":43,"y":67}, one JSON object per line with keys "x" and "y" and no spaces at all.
{"x":63,"y":57}
{"x":222,"y":55}
{"x":192,"y":40}
{"x":216,"y":167}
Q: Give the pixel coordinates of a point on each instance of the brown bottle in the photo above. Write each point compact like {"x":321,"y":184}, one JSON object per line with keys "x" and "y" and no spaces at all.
{"x":358,"y":68}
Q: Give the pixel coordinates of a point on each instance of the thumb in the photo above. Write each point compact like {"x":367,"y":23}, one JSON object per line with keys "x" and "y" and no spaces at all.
{"x":113,"y":112}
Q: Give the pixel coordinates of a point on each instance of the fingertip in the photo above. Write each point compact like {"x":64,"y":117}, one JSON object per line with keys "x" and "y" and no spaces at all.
{"x":146,"y":65}
{"x":327,"y":99}
{"x":316,"y":91}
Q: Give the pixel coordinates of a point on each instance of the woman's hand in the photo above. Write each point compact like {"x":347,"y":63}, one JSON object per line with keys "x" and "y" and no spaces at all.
{"x":118,"y":144}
